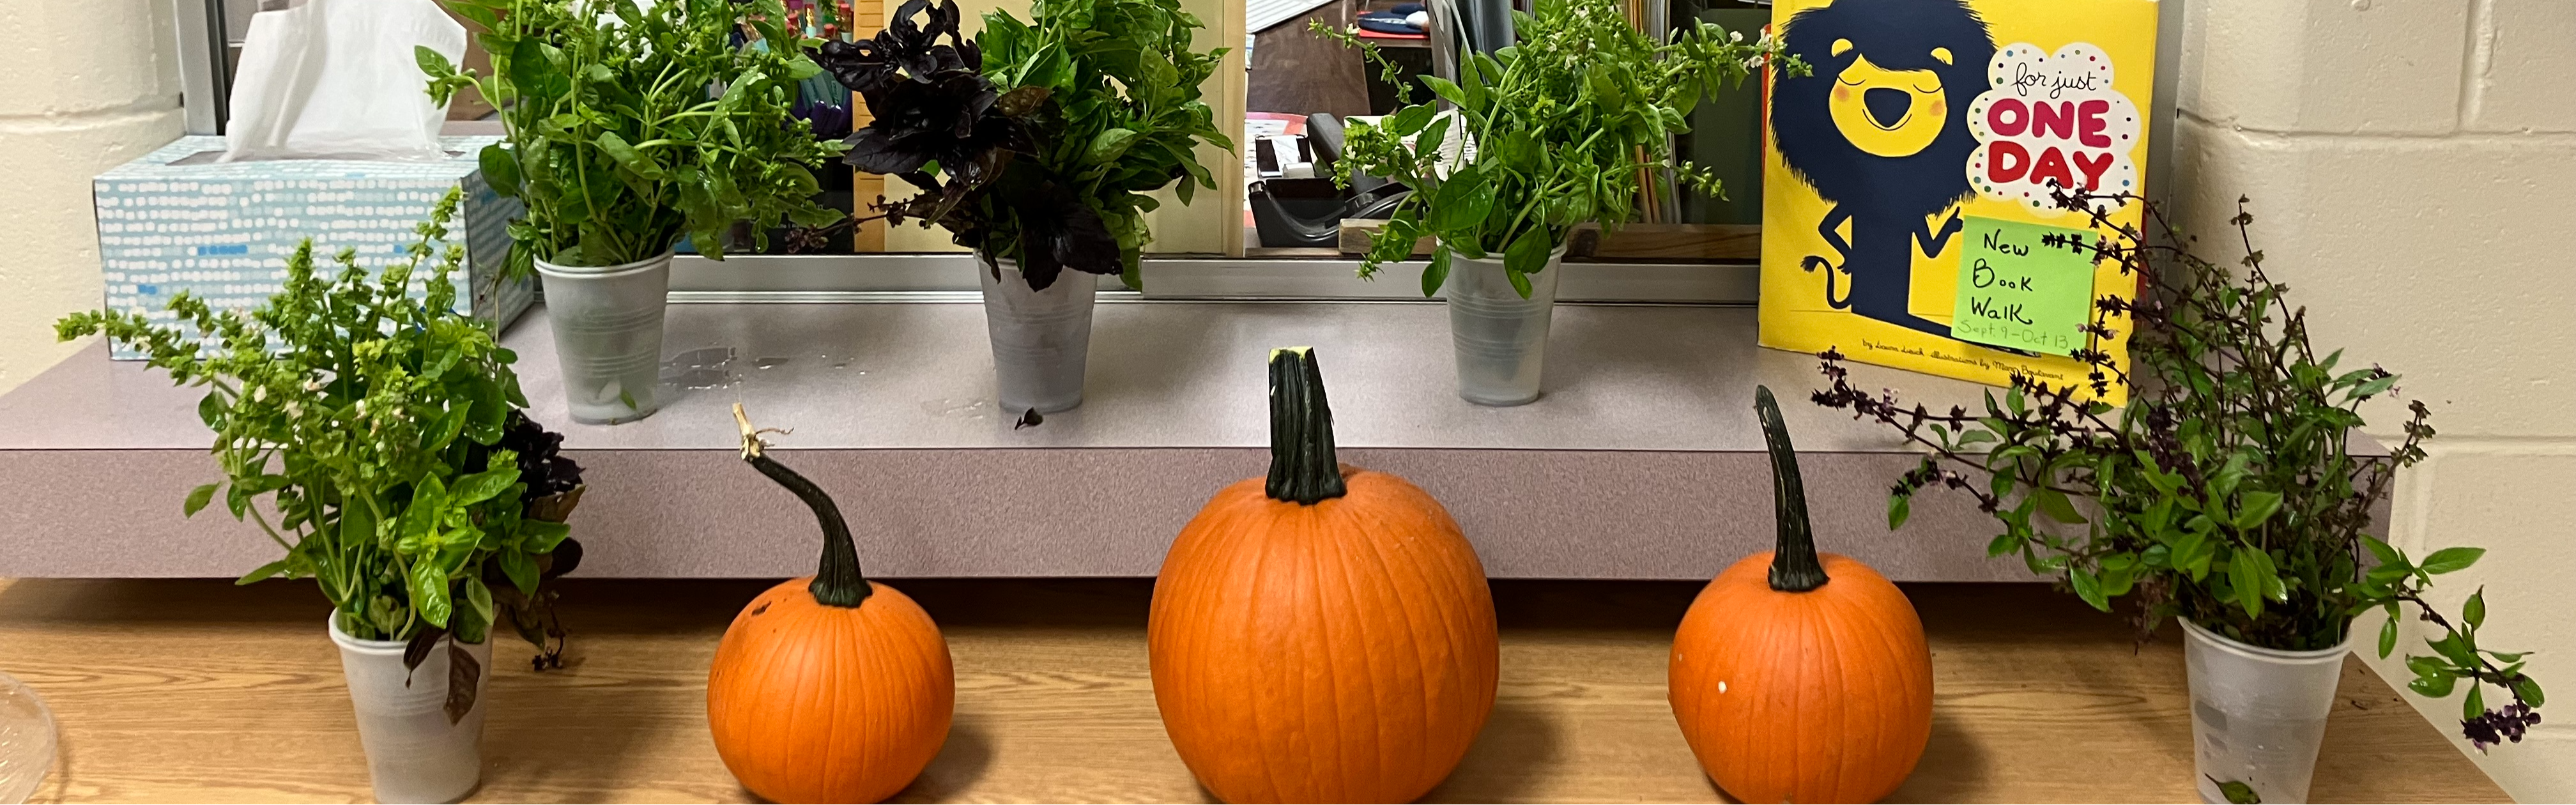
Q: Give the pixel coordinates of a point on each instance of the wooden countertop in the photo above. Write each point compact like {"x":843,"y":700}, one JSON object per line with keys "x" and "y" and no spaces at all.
{"x":195,"y":691}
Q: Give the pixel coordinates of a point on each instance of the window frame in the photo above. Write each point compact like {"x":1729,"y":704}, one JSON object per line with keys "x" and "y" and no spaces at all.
{"x":1231,"y":275}
{"x":950,"y":277}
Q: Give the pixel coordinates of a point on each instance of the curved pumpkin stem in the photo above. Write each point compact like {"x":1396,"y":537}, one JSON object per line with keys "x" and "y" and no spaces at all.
{"x":1794,"y":567}
{"x":837,"y":580}
{"x":1303,"y":468}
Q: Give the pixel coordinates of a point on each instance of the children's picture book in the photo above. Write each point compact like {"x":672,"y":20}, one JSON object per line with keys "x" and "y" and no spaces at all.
{"x":1908,"y":217}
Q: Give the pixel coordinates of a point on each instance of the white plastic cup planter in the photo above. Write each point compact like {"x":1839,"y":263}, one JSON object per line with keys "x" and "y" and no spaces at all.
{"x":1041,"y":339}
{"x":607,"y":322}
{"x":414,"y":754}
{"x":2257,"y":714}
{"x":26,"y":741}
{"x":1501,"y":338}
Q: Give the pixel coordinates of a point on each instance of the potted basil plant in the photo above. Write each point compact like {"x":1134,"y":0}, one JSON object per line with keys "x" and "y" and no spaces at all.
{"x":1035,"y":145}
{"x":629,"y":127}
{"x":1560,"y":127}
{"x":2233,"y":494}
{"x":384,"y":433}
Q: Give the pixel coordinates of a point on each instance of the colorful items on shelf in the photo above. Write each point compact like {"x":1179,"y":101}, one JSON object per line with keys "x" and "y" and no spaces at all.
{"x":1324,"y":634}
{"x":828,"y":688}
{"x":1800,"y":677}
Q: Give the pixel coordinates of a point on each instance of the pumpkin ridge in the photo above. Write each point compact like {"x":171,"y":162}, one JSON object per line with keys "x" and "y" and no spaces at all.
{"x":808,"y":656}
{"x":1327,"y":593}
{"x":1851,"y":702}
{"x":1422,"y":719}
{"x":1349,"y":541}
{"x":1361,"y":553}
{"x":1795,"y":655}
{"x":1278,"y":616}
{"x":1426,"y":711}
{"x":1174,"y":592}
{"x":837,"y":762}
{"x":1461,"y":581}
{"x":1261,"y":578}
{"x":1899,"y":621}
{"x":1758,"y":628}
{"x":1466,"y":616}
{"x":876,"y":660}
{"x":1365,"y":596}
{"x":1804,"y":656}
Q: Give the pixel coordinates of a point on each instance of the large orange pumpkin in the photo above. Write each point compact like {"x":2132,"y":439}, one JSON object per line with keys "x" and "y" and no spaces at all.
{"x":828,"y":688}
{"x":1799,"y":677}
{"x":1324,"y":634}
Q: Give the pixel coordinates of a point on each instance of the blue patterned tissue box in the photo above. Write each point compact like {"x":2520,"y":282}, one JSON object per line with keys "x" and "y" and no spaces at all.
{"x":176,"y":220}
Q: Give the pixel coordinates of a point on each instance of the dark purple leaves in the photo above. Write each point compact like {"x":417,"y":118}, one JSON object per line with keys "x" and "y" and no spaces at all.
{"x":932,"y":106}
{"x":905,"y":50}
{"x":924,"y":87}
{"x":2499,"y":726}
{"x":541,"y":464}
{"x":1058,"y":231}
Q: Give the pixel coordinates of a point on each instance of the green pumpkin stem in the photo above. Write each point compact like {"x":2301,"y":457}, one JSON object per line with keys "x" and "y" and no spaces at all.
{"x":1794,"y":567}
{"x":1303,"y":468}
{"x":837,"y":580}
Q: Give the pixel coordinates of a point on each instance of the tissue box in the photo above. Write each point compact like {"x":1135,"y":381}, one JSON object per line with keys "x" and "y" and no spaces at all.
{"x":176,"y":220}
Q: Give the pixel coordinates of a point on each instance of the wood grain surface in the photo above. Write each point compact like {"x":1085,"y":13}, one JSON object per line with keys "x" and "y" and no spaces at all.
{"x":196,"y":691}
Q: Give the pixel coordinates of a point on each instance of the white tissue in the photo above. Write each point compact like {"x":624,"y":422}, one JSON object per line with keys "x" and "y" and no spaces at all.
{"x":337,"y":79}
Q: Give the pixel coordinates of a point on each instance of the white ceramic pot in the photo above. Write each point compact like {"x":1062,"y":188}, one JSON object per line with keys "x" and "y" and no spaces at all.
{"x":1041,"y":339}
{"x":1500,"y":337}
{"x":415,"y":753}
{"x":2257,"y":714}
{"x":607,"y":322}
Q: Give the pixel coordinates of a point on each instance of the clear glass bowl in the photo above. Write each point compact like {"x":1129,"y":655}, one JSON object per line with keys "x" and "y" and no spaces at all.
{"x":26,"y":741}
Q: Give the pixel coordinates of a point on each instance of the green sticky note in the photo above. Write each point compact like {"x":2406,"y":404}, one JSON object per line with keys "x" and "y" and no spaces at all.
{"x":2023,"y":285}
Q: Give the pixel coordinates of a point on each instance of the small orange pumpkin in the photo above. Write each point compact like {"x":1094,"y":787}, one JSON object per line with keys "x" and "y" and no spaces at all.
{"x":1325,"y":634}
{"x":828,"y":688}
{"x":1798,"y":677}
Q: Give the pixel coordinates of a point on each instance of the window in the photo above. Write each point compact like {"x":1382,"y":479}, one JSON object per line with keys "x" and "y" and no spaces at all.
{"x":1690,"y":249}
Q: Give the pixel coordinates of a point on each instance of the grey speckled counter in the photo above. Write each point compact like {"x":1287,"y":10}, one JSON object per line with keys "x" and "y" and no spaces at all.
{"x":1642,"y":460}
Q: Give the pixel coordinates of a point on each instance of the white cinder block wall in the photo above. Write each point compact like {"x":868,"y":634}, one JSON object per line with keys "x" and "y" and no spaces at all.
{"x":90,"y":85}
{"x":2413,"y":170}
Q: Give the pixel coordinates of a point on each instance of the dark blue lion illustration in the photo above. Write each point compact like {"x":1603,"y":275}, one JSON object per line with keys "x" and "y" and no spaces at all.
{"x":1879,"y":128}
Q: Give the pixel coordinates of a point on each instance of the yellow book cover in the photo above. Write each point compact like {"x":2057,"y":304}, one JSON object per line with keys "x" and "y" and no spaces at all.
{"x":1907,"y":218}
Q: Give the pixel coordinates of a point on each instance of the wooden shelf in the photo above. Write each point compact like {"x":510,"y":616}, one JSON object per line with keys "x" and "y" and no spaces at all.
{"x":197,"y":691}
